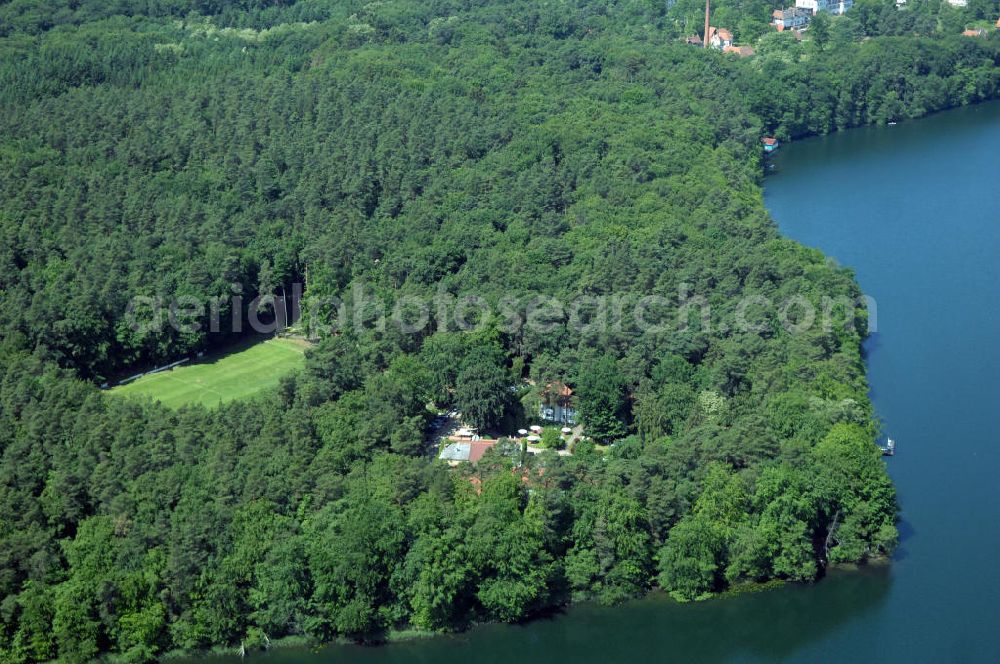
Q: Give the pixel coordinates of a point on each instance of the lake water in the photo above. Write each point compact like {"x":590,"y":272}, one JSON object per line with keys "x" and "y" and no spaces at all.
{"x":915,"y":210}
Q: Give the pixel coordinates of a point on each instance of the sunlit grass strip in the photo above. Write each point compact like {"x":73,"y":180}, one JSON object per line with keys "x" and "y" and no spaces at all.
{"x":216,"y":380}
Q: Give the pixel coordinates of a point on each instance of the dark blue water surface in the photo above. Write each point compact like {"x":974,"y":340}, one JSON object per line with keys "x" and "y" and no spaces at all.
{"x":915,"y":210}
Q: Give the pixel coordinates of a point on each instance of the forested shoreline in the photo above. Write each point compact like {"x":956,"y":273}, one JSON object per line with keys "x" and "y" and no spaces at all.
{"x":578,"y":149}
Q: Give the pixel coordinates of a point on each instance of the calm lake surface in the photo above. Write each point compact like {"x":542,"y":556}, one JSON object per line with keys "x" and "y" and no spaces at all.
{"x":915,"y":210}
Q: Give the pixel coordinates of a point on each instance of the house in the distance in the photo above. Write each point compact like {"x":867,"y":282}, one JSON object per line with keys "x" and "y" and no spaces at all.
{"x":770,"y":144}
{"x":719,"y":38}
{"x":792,"y":18}
{"x":976,"y":32}
{"x":832,"y":6}
{"x":557,"y":404}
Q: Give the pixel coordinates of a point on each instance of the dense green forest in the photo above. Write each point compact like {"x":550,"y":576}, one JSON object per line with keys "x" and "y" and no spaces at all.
{"x":207,"y":148}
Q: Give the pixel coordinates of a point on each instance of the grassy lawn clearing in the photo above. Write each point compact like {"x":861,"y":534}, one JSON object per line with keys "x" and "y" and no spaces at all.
{"x":223,"y":377}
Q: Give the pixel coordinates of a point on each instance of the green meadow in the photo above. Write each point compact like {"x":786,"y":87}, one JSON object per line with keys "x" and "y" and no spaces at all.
{"x":224,"y":377}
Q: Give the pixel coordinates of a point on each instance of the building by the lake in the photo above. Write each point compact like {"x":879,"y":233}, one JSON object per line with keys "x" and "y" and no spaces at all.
{"x":465,"y":451}
{"x":557,"y":404}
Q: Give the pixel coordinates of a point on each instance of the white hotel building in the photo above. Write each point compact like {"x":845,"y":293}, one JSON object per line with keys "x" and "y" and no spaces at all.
{"x":832,"y":6}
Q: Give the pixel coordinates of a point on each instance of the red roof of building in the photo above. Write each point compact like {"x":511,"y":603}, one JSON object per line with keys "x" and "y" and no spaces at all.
{"x":770,"y":140}
{"x":790,"y":12}
{"x":558,"y":389}
{"x":742,"y":51}
{"x":477,"y":484}
{"x":978,"y":32}
{"x":477,"y":449}
{"x":723,"y":33}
